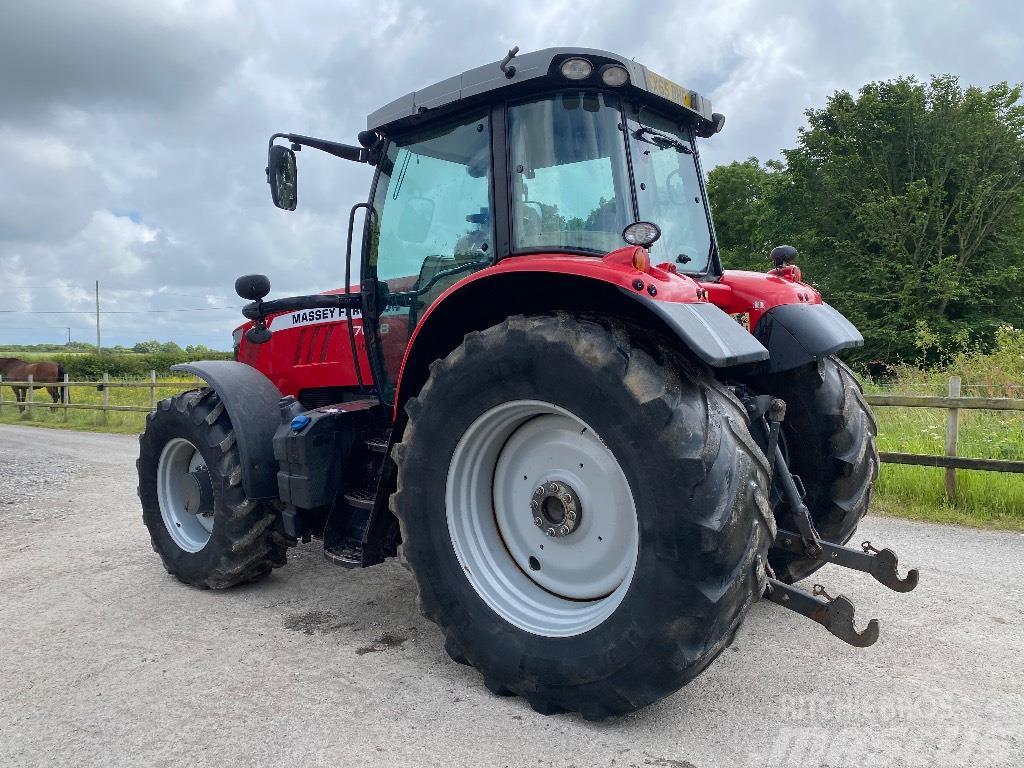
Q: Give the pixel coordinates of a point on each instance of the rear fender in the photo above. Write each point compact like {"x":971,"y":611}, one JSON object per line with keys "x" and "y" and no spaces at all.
{"x":528,"y":285}
{"x":251,"y":401}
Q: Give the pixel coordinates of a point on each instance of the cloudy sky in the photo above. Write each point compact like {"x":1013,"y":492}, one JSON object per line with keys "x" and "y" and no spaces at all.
{"x":135,"y":132}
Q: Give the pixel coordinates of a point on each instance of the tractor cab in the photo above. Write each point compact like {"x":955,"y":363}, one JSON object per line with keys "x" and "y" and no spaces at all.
{"x":562,"y":152}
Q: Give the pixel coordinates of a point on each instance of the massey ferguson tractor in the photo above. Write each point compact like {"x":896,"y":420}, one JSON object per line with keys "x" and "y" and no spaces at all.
{"x":593,"y":446}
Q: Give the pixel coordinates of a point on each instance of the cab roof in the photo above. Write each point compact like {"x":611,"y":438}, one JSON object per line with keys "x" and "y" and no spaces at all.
{"x":535,"y":71}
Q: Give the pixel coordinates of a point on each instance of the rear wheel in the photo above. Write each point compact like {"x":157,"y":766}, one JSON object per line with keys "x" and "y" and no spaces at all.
{"x":830,"y":437}
{"x":205,"y":530}
{"x":545,"y":537}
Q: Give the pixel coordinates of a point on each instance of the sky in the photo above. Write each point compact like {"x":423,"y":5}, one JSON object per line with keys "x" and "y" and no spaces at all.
{"x":135,"y":133}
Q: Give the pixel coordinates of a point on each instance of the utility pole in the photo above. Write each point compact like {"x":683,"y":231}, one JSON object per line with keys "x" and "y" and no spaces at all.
{"x":69,"y":334}
{"x":99,"y":348}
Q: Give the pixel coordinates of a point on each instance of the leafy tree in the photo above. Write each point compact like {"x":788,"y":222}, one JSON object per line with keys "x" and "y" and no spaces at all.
{"x":907,"y":203}
{"x":743,"y":212}
{"x":147,"y":347}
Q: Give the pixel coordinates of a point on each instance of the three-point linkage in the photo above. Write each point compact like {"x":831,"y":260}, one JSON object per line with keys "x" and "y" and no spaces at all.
{"x":836,"y":614}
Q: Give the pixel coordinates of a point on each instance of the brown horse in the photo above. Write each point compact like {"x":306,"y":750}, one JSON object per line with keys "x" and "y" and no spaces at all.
{"x":42,"y":373}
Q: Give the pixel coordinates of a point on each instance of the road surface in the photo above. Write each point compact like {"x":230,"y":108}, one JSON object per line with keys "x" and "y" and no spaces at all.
{"x":107,"y":660}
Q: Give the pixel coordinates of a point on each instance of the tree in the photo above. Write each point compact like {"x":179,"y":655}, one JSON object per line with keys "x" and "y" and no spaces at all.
{"x":742,"y":203}
{"x":907,"y":204}
{"x":147,"y":347}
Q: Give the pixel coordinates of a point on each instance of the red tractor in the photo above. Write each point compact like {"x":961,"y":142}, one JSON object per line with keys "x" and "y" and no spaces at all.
{"x":593,"y":446}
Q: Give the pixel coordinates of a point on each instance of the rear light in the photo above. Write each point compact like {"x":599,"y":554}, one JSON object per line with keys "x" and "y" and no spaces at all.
{"x":577,"y":69}
{"x":613,"y":75}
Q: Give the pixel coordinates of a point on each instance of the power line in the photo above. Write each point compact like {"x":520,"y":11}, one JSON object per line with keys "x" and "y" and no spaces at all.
{"x":111,"y":311}
{"x":147,"y":291}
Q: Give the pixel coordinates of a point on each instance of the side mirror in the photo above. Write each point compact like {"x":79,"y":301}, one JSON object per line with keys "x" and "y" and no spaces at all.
{"x":283,"y":177}
{"x":252,"y":287}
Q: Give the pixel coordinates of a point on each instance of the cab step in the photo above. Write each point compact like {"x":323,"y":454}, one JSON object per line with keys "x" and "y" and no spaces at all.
{"x":347,"y":555}
{"x":361,"y":499}
{"x":377,"y":444}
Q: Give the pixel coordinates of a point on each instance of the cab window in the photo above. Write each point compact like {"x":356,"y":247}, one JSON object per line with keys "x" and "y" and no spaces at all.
{"x":432,"y":222}
{"x":570,"y":183}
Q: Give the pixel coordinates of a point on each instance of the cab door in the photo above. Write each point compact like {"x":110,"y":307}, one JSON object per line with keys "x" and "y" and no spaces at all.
{"x":431,"y":225}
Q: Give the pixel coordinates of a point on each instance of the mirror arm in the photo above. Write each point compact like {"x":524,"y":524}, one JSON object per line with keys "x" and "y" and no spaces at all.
{"x":344,"y":151}
{"x":257,"y":309}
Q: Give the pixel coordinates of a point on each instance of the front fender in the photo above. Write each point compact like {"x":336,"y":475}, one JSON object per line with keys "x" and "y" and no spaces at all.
{"x":798,"y":334}
{"x":251,"y":401}
{"x":708,"y":332}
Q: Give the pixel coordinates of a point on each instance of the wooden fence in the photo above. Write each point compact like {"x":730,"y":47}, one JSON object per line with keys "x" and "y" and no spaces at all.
{"x":953,"y":402}
{"x":104,"y":386}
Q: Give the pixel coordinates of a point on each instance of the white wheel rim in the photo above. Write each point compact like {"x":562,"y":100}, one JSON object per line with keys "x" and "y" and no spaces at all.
{"x":189,"y":531}
{"x":553,"y":586}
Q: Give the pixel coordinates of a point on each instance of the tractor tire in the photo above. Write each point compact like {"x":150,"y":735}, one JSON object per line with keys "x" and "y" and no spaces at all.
{"x":232,"y":540}
{"x":830,"y":439}
{"x":632,"y":466}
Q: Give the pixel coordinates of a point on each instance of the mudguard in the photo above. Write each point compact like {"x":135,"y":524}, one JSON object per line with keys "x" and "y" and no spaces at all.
{"x":251,"y":401}
{"x":708,"y":332}
{"x":798,"y":334}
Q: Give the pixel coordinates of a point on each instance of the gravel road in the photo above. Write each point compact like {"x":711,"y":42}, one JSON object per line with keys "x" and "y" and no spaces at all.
{"x":107,"y":660}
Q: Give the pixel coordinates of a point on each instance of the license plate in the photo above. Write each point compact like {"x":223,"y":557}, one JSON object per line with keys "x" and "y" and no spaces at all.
{"x":669,"y":90}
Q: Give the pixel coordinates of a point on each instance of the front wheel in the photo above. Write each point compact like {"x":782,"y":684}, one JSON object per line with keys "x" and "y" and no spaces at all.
{"x":586,"y":522}
{"x":205,"y":530}
{"x":830,"y":437}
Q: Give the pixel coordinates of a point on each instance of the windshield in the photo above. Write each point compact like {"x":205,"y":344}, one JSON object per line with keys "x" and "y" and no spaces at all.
{"x":668,"y":190}
{"x":570,"y":181}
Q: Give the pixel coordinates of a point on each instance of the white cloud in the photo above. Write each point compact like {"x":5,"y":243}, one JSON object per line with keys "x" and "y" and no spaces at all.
{"x":136,"y":132}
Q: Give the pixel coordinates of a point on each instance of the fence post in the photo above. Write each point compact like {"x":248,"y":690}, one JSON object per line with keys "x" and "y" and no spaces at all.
{"x":106,"y":396}
{"x":152,"y":391}
{"x":1,"y":394}
{"x":31,"y":397}
{"x":64,"y":397}
{"x":952,"y":436}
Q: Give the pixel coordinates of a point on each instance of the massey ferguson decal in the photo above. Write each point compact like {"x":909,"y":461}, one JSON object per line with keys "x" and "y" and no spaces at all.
{"x":310,"y":317}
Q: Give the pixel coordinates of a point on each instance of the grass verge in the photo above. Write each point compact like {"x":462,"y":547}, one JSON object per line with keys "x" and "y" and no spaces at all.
{"x":984,"y":499}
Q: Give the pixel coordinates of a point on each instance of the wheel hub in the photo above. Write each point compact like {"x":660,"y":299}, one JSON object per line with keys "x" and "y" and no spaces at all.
{"x":556,"y":508}
{"x":185,"y":494}
{"x":565,"y":568}
{"x":197,"y":492}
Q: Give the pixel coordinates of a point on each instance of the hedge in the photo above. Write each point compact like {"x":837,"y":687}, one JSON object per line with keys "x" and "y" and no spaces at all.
{"x":125,"y":366}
